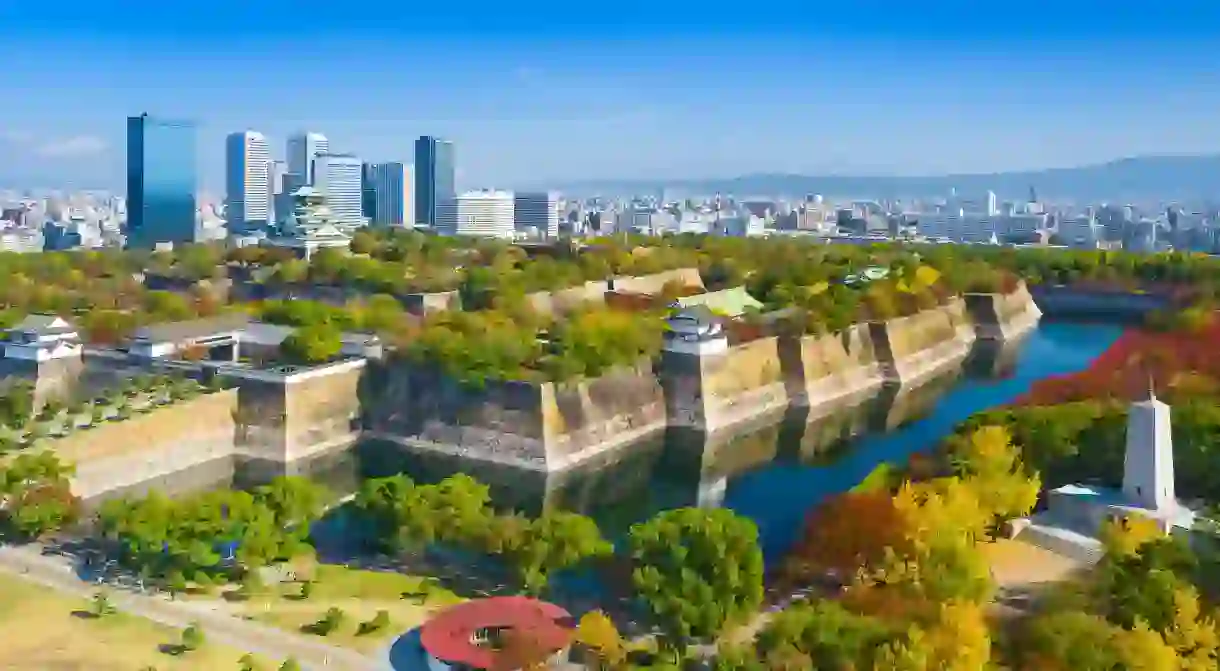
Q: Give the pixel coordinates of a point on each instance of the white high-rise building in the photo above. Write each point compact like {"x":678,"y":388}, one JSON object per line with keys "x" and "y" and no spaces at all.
{"x":247,"y":194}
{"x":536,"y":211}
{"x":303,"y":148}
{"x":477,"y":213}
{"x":339,"y":177}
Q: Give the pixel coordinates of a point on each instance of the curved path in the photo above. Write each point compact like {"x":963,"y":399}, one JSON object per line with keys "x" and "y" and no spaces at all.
{"x":58,"y":573}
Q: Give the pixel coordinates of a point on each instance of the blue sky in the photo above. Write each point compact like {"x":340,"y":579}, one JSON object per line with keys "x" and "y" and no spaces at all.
{"x":541,"y":92}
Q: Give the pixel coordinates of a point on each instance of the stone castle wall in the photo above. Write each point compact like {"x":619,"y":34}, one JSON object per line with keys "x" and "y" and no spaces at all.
{"x":652,"y":284}
{"x":714,"y":392}
{"x":828,"y":370}
{"x":1003,"y":316}
{"x":540,"y":425}
{"x":923,"y":345}
{"x":121,"y":453}
{"x":566,"y":300}
{"x":285,"y":419}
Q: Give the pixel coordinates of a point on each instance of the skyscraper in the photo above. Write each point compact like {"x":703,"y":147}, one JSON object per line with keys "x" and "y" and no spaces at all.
{"x":536,"y":211}
{"x":247,"y":184}
{"x":161,"y":181}
{"x":303,"y":148}
{"x":477,"y":213}
{"x":390,"y":187}
{"x":434,"y":177}
{"x":277,"y":171}
{"x":338,"y":177}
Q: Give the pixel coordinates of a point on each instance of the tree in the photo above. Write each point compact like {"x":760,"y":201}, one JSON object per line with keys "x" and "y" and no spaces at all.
{"x":553,"y":542}
{"x":989,"y":462}
{"x":36,"y":495}
{"x":697,"y":570}
{"x":312,"y":344}
{"x":824,"y":631}
{"x":290,"y":664}
{"x":596,"y":631}
{"x":848,"y":532}
{"x":246,"y":663}
{"x":1069,"y":641}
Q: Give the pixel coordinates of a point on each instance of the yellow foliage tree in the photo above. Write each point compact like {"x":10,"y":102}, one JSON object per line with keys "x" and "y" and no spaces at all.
{"x":991,"y":465}
{"x":1142,"y":649}
{"x":1124,"y":536}
{"x":1193,"y":635}
{"x":959,"y":639}
{"x":597,"y":632}
{"x":909,"y":653}
{"x":926,"y":276}
{"x":941,"y":508}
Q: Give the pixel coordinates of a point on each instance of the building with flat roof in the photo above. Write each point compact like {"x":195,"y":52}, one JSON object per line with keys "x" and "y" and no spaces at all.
{"x":247,"y":182}
{"x":435,"y":178}
{"x":161,"y":181}
{"x":478,"y":213}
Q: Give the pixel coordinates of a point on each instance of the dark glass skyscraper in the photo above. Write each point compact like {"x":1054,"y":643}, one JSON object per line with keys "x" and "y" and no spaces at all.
{"x":434,"y":177}
{"x":161,"y":181}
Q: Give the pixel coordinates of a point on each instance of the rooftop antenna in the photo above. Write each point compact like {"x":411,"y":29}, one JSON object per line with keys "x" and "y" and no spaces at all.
{"x":1151,"y":387}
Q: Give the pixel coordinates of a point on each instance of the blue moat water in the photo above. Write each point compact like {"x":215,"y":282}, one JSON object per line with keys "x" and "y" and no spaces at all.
{"x":776,"y":473}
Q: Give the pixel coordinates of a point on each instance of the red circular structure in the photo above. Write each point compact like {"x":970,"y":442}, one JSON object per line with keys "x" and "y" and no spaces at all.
{"x":452,"y":637}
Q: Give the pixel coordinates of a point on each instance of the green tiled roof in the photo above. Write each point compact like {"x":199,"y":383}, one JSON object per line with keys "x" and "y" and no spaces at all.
{"x":731,"y":302}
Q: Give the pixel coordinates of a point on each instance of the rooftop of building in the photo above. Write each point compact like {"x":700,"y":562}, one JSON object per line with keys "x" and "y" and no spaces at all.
{"x":453,"y":635}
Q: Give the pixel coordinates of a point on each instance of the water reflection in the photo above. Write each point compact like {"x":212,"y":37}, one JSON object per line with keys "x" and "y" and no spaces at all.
{"x":772,"y":473}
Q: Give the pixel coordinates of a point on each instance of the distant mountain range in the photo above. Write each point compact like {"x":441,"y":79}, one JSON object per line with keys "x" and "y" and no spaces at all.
{"x":1181,"y":178}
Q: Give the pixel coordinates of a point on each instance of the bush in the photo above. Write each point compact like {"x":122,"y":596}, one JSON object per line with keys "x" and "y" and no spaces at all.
{"x":312,"y":344}
{"x":192,"y":638}
{"x":379,"y":622}
{"x":290,"y":664}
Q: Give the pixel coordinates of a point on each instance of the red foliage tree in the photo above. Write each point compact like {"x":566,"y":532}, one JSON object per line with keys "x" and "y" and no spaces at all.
{"x":1124,"y":370}
{"x":847,"y":532}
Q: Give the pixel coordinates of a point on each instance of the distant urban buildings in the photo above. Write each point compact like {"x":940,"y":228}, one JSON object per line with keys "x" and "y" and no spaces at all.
{"x":247,"y":181}
{"x":477,"y":213}
{"x":161,"y":181}
{"x":339,"y":178}
{"x":536,"y":212}
{"x":389,"y":188}
{"x":303,"y":148}
{"x":435,"y":178}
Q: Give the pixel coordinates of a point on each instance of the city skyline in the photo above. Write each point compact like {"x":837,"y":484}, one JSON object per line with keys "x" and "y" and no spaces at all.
{"x":941,"y":90}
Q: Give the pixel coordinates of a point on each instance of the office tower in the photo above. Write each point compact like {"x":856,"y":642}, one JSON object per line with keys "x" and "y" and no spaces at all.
{"x":477,"y":213}
{"x":247,"y":184}
{"x":277,"y":171}
{"x":303,"y":148}
{"x":390,"y":194}
{"x":368,"y":194}
{"x":338,"y":177}
{"x":161,"y":181}
{"x":537,"y":211}
{"x":434,"y":177}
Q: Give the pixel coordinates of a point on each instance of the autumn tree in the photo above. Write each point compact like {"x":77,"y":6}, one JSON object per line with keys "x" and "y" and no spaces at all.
{"x":848,"y":532}
{"x":596,"y":631}
{"x":988,"y":461}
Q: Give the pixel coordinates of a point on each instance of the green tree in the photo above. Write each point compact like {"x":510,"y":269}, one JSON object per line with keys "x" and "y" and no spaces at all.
{"x":554,"y":542}
{"x":290,"y":664}
{"x":697,"y":570}
{"x":36,"y":495}
{"x":312,"y":344}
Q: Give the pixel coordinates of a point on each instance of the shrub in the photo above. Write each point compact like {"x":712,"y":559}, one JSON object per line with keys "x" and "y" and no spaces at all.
{"x":192,"y":638}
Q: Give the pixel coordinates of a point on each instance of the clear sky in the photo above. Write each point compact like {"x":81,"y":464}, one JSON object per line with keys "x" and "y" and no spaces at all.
{"x":538,"y":92}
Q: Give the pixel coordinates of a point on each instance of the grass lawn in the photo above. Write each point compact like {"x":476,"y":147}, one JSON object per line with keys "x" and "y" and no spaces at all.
{"x":360,"y":594}
{"x":41,"y":632}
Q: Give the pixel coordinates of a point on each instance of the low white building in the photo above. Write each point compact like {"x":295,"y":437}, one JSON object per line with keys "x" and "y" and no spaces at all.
{"x":489,"y":214}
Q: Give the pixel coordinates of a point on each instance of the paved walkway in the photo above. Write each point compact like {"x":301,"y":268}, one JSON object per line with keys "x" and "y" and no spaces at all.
{"x":273,"y":644}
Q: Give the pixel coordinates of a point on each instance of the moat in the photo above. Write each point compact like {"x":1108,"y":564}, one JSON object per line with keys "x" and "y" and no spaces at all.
{"x":771,"y":472}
